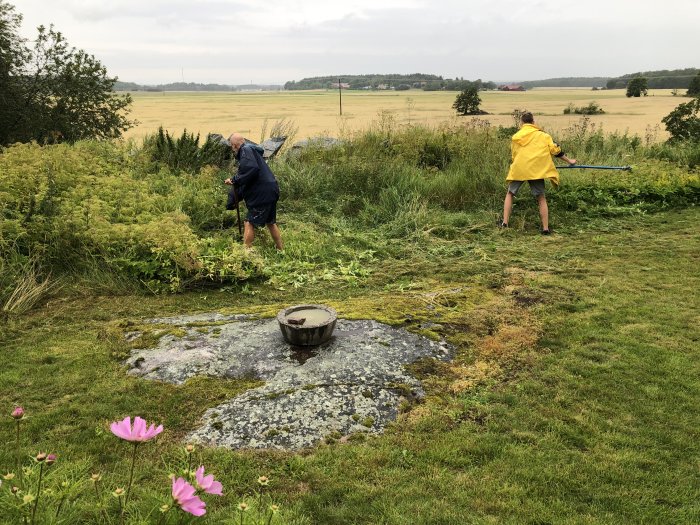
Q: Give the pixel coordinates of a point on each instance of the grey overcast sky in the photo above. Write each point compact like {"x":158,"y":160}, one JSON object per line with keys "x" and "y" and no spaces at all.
{"x":272,"y":41}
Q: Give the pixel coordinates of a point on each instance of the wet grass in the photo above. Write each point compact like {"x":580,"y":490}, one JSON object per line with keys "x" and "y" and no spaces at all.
{"x":572,"y":398}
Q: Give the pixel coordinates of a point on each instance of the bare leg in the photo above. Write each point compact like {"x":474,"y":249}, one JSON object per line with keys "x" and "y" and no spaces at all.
{"x":507,"y":207}
{"x":248,"y":234}
{"x":544,"y":211}
{"x":276,"y":236}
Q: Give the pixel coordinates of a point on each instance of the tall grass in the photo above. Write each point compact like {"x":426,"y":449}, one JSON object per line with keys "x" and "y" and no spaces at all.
{"x":28,"y":289}
{"x":122,"y":208}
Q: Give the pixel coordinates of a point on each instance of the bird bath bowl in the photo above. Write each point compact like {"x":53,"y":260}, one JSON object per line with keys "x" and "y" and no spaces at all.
{"x":307,"y":324}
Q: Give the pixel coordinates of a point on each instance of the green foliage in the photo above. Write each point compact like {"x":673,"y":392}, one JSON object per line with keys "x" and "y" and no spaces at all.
{"x":680,"y":152}
{"x":593,"y":108}
{"x":694,"y":87}
{"x":120,"y":213}
{"x":467,"y":102}
{"x":637,"y":87}
{"x":52,"y":92}
{"x":683,"y":123}
{"x":73,"y":208}
{"x":184,"y":153}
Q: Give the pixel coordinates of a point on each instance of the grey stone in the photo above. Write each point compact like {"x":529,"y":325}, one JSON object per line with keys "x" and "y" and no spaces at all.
{"x":352,"y":383}
{"x":316,"y":142}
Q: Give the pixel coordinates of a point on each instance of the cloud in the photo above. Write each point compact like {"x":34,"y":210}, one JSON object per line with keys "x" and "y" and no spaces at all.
{"x":265,"y":41}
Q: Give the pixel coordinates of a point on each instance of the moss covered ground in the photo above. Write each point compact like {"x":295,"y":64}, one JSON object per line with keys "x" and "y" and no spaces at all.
{"x":572,"y":398}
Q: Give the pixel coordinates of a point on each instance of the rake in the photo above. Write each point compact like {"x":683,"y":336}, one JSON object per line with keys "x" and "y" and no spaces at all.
{"x":588,"y":167}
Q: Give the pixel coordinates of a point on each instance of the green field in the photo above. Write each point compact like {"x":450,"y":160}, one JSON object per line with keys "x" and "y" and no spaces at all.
{"x":318,"y":112}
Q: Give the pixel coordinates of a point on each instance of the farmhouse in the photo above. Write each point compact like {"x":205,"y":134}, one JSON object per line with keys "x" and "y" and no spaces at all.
{"x":511,"y":87}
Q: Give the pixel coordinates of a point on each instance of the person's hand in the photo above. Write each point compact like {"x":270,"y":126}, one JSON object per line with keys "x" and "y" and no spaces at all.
{"x":571,"y":161}
{"x":228,"y":181}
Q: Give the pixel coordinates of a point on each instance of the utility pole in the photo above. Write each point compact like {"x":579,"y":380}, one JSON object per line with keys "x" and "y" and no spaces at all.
{"x":340,"y":97}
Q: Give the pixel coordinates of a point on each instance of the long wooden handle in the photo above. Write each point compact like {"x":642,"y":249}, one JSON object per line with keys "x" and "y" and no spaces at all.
{"x":238,"y":211}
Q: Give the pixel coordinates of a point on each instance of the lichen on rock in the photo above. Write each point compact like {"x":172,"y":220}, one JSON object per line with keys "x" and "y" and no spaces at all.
{"x":354,"y":383}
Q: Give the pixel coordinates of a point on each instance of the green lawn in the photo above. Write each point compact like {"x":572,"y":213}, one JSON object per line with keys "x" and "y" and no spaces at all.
{"x":573,"y":397}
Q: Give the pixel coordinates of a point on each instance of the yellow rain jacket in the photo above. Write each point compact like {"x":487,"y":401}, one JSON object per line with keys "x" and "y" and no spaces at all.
{"x":531,"y":153}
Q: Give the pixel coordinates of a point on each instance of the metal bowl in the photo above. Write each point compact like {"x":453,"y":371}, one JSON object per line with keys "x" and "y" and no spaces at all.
{"x":307,"y":324}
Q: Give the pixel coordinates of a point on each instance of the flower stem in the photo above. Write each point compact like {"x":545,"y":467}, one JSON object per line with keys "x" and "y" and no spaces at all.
{"x":60,"y":505}
{"x":131,"y":473}
{"x":162,"y":516}
{"x":18,"y":453}
{"x":38,"y":492}
{"x":101,"y":503}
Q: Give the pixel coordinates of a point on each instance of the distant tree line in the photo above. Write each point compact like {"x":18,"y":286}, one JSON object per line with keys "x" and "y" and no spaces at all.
{"x":566,"y":82}
{"x":360,"y":81}
{"x":193,"y":86}
{"x":459,"y":84}
{"x":393,"y":81}
{"x":662,"y":79}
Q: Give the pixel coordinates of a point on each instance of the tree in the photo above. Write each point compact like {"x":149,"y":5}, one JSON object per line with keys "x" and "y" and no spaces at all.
{"x":637,"y":87}
{"x":53,"y":92}
{"x":694,"y":87}
{"x":683,"y":123}
{"x":13,"y":54}
{"x":467,"y":102}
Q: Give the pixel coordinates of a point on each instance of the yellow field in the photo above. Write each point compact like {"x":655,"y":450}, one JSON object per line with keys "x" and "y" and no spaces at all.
{"x":317,"y":112}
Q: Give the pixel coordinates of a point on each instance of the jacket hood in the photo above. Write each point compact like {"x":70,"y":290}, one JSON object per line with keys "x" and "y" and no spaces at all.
{"x":525,"y":134}
{"x":257,"y":148}
{"x":252,"y":145}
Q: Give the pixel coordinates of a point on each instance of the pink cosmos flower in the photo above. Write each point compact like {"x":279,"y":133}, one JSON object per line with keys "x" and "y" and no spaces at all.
{"x":207,"y":483}
{"x":139,"y":432}
{"x":18,"y":413}
{"x":51,"y":459}
{"x":185,"y":496}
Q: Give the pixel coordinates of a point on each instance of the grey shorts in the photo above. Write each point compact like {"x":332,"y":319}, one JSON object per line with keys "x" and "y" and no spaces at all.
{"x":536,"y":186}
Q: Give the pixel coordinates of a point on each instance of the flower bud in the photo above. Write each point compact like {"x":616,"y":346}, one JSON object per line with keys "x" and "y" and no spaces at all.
{"x":118,"y":492}
{"x":14,"y":490}
{"x":264,"y":481}
{"x":164,"y":508}
{"x":18,"y":413}
{"x":243,"y":506}
{"x":189,"y":449}
{"x":51,"y":459}
{"x":9,"y":476}
{"x":28,"y":498}
{"x":40,"y":457}
{"x":96,"y":477}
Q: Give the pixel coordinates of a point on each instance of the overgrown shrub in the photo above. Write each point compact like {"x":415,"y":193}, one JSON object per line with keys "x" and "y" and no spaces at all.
{"x":185,"y":153}
{"x":70,"y":208}
{"x":100,"y":208}
{"x":593,"y":108}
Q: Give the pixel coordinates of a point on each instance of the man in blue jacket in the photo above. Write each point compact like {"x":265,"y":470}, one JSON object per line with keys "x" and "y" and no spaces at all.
{"x":257,"y":186}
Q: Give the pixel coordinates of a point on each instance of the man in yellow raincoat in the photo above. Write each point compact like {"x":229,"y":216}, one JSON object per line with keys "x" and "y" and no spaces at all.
{"x":531,"y":151}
